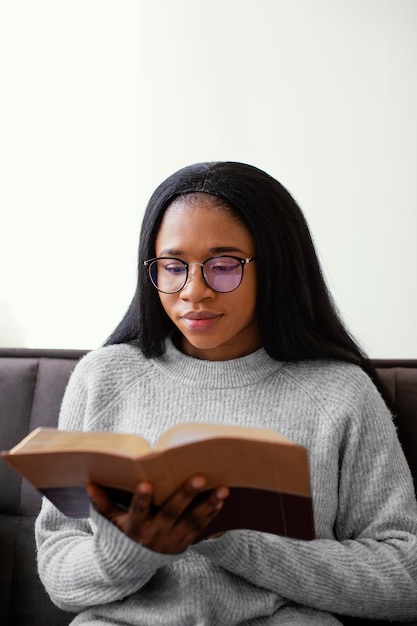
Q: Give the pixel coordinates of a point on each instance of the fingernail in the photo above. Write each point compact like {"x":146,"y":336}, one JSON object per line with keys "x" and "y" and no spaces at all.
{"x":145,"y":487}
{"x":198,"y":482}
{"x":222,"y":493}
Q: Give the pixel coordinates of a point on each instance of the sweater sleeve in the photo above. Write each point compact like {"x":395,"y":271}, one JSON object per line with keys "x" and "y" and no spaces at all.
{"x":369,"y":568}
{"x":85,"y":562}
{"x":90,"y":562}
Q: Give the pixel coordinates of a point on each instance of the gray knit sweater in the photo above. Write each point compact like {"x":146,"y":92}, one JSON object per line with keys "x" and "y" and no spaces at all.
{"x":364,"y":561}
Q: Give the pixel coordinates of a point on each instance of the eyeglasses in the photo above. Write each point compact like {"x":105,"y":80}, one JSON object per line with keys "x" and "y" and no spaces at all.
{"x":220,"y":273}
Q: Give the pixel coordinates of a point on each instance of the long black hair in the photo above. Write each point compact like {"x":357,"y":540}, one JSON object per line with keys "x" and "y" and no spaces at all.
{"x":297,"y":317}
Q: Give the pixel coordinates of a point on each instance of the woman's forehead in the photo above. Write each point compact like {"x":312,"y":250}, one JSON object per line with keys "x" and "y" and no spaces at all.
{"x":204,"y":225}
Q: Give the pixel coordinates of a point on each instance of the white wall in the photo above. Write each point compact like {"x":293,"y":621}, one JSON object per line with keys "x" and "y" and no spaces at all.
{"x":102,"y":99}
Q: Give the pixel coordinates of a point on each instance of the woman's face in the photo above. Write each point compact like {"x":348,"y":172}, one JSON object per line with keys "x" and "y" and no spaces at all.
{"x":216,"y":326}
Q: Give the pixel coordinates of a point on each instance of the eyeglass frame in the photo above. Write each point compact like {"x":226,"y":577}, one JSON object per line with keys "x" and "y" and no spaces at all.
{"x":243,"y":261}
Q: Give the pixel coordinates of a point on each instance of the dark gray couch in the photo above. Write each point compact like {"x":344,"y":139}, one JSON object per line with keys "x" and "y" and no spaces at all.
{"x":32,"y":383}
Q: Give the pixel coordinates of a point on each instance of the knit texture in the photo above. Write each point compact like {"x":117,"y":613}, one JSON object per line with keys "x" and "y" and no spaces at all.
{"x":363,"y":561}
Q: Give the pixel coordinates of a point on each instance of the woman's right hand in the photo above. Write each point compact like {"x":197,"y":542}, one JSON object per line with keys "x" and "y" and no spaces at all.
{"x":170,"y":528}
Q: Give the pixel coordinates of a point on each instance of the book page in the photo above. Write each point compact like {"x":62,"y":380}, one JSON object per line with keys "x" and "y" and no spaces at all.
{"x":53,"y":440}
{"x":188,"y":432}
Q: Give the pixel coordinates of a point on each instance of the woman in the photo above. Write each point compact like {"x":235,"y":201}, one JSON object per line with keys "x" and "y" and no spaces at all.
{"x":231,"y":322}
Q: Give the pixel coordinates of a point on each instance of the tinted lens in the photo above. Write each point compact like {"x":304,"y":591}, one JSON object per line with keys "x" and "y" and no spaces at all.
{"x":223,"y":273}
{"x":168,"y":275}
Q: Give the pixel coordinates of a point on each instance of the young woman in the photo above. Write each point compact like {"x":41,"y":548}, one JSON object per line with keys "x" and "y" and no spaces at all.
{"x":231,"y":322}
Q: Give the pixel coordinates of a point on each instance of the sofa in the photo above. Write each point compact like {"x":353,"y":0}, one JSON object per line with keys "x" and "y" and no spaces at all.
{"x":32,"y":383}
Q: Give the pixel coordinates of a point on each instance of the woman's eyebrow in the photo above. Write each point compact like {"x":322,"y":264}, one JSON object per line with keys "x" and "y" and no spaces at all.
{"x":221,"y":249}
{"x":169,"y":252}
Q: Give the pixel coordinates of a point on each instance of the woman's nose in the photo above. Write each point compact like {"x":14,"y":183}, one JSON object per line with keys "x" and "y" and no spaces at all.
{"x":195,"y":288}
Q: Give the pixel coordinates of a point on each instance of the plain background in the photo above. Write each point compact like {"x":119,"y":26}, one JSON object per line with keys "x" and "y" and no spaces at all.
{"x":101,"y":100}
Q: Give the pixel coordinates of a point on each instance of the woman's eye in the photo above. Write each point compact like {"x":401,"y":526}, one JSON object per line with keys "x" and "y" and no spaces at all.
{"x":174,"y":269}
{"x":224,"y":267}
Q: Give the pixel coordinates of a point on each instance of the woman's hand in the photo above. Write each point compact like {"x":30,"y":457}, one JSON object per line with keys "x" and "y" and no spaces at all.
{"x":168,"y":529}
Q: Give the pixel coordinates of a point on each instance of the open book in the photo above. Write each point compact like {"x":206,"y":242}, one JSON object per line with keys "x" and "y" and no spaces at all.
{"x":268,"y":475}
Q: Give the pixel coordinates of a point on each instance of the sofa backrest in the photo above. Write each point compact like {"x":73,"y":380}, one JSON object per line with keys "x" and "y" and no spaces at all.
{"x":32,"y":383}
{"x":399,"y":379}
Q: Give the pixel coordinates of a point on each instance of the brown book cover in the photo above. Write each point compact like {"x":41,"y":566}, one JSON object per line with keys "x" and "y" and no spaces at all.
{"x":268,"y":475}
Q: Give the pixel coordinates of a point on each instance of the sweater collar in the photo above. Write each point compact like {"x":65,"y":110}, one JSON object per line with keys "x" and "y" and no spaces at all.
{"x":193,"y":372}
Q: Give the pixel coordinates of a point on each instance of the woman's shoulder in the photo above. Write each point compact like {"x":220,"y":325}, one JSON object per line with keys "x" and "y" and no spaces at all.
{"x":112,"y":361}
{"x":112,"y":352}
{"x":332,"y":381}
{"x":328,"y":371}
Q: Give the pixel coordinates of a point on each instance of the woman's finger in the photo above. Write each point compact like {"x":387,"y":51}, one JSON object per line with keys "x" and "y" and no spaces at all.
{"x":173,"y":534}
{"x":176,"y":504}
{"x":197,"y":517}
{"x":99,"y":500}
{"x":139,"y":510}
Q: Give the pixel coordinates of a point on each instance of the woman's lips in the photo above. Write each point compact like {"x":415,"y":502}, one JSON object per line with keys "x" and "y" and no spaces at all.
{"x":200,"y":321}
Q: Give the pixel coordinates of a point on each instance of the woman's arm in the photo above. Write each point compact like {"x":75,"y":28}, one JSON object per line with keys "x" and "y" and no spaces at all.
{"x":88,"y":562}
{"x":370,"y":569}
{"x":365,"y":578}
{"x":84,"y":563}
